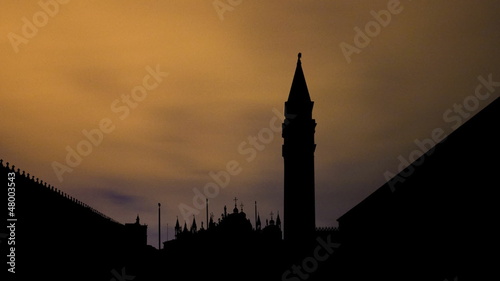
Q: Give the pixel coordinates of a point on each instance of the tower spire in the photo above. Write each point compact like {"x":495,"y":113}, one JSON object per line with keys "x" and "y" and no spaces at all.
{"x":194,"y":228}
{"x":235,"y":210}
{"x":258,"y":224}
{"x":256,"y":215}
{"x":299,"y":91}
{"x":177,"y":228}
{"x":278,"y":220}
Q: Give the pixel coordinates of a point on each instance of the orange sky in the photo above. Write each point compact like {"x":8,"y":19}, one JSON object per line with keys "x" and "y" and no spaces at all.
{"x":67,"y":66}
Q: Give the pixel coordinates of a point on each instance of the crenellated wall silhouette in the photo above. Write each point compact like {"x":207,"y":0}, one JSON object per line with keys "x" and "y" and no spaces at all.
{"x":59,"y":236}
{"x":27,"y":178}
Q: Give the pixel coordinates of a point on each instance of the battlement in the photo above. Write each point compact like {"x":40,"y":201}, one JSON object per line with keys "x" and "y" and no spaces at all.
{"x":33,"y":182}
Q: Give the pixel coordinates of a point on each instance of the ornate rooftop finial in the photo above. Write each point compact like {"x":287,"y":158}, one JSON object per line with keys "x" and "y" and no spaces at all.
{"x":299,"y":56}
{"x":235,"y":210}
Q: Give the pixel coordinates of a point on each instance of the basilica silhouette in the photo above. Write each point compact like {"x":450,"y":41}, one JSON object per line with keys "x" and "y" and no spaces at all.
{"x":436,"y":222}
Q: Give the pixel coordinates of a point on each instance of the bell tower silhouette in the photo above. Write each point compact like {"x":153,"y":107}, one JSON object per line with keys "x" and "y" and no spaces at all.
{"x":298,"y":153}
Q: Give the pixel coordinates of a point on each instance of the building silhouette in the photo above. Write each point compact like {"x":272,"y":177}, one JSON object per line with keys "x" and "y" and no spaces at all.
{"x":435,"y":220}
{"x":229,"y":245}
{"x":229,"y":225}
{"x":264,"y":253}
{"x":298,"y":154}
{"x":136,"y":234}
{"x":60,"y":237}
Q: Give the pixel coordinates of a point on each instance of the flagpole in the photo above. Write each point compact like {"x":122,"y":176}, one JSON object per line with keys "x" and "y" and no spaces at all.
{"x":159,"y":227}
